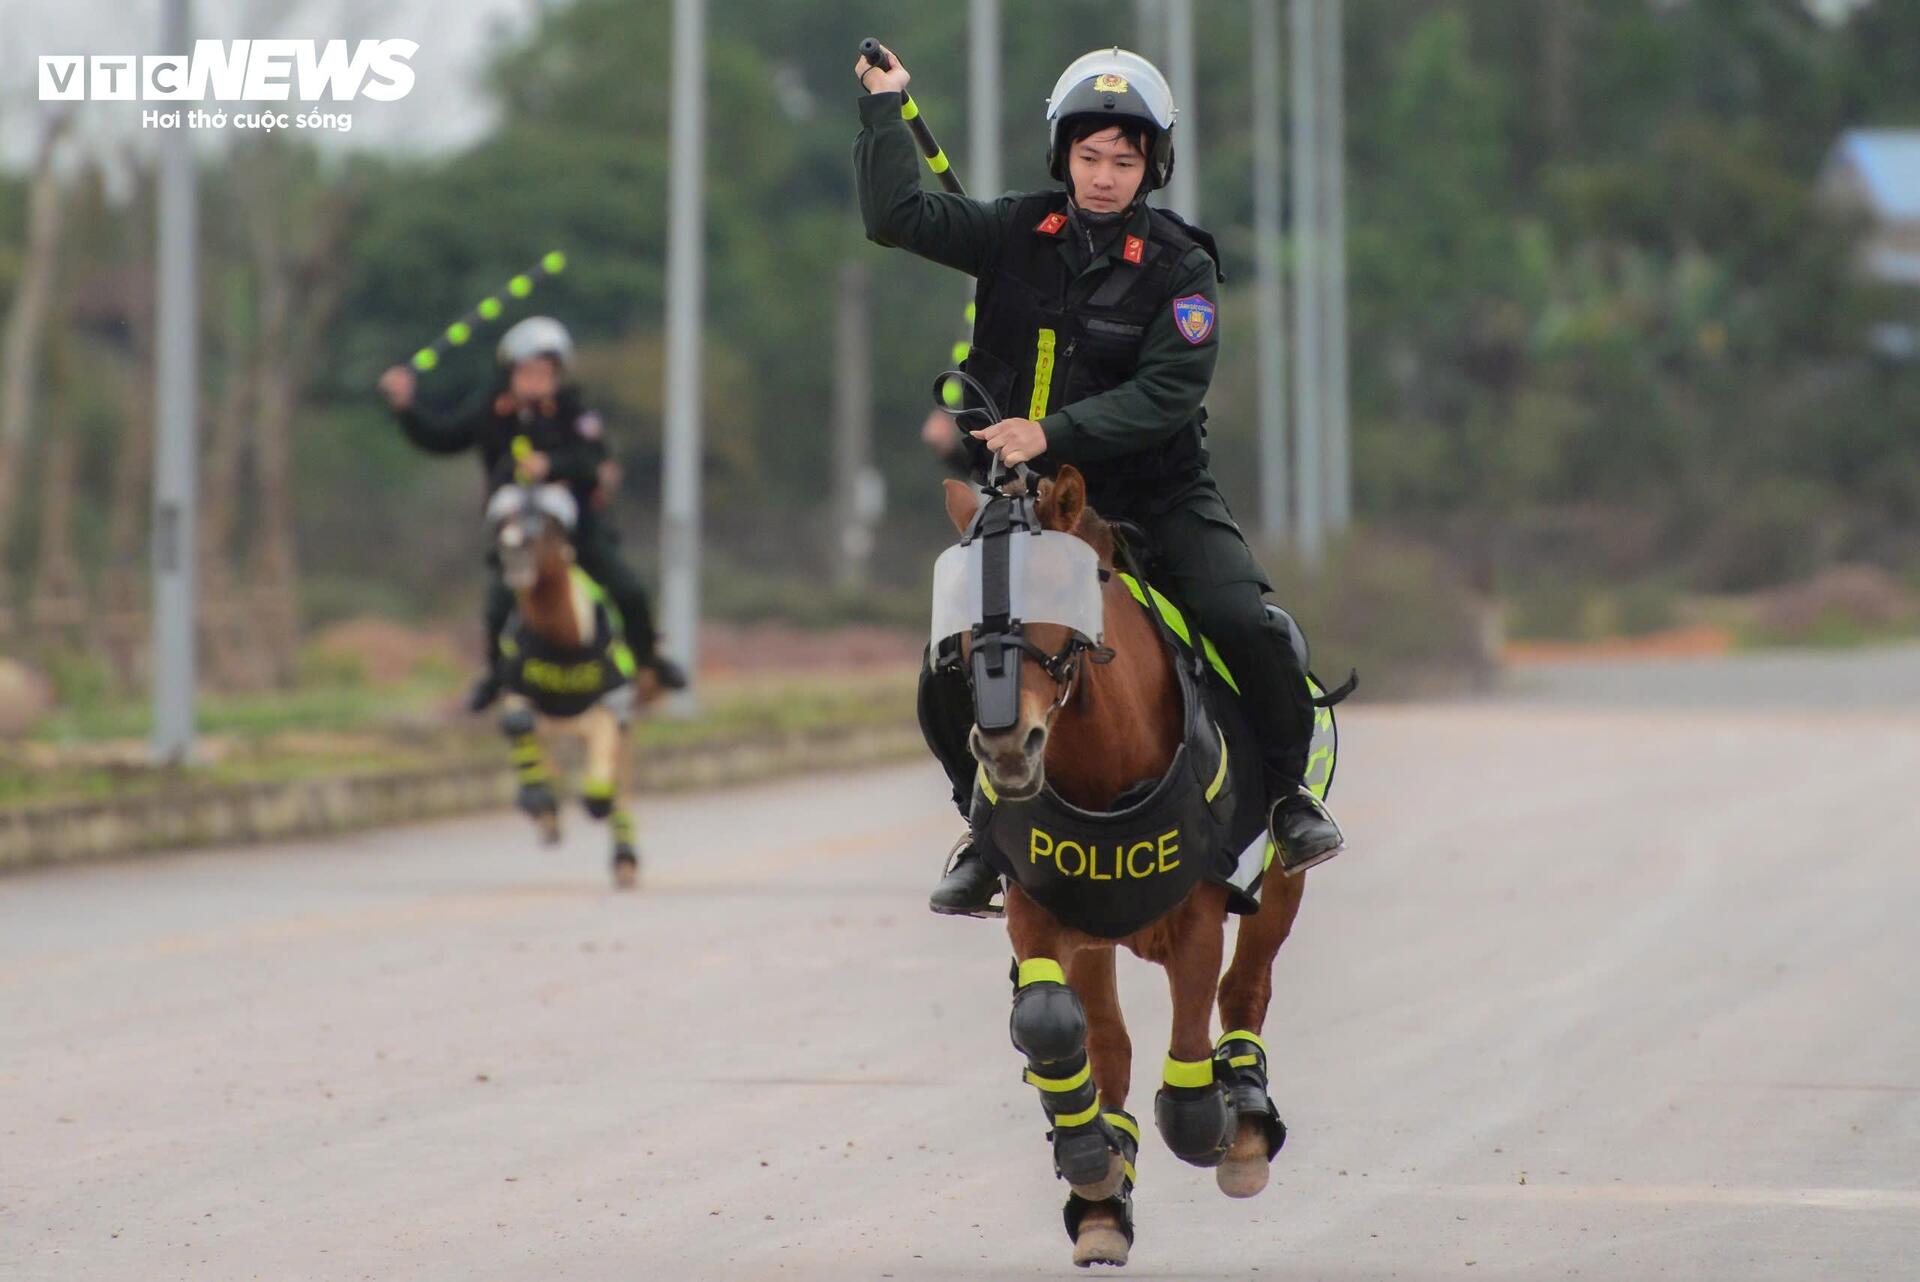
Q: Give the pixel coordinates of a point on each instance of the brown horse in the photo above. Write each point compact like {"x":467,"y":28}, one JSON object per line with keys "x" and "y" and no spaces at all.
{"x":1112,"y":726}
{"x":580,"y":682}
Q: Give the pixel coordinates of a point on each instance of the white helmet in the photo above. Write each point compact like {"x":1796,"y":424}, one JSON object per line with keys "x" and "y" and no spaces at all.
{"x":1120,"y":83}
{"x":536,"y":336}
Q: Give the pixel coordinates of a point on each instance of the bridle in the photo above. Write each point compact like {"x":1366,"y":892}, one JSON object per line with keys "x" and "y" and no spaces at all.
{"x":999,"y":636}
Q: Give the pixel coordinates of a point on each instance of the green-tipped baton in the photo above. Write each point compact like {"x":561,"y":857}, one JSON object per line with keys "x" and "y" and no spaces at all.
{"x":551,"y":263}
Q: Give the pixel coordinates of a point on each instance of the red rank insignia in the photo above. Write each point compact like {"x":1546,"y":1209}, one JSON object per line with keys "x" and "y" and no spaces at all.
{"x":1136,"y":249}
{"x":1051,"y":224}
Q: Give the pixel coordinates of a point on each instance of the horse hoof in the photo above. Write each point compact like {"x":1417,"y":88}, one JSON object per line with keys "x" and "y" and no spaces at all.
{"x":1100,"y":1244}
{"x":626,"y":870}
{"x":1242,"y":1176}
{"x":1107,"y":1186}
{"x":549,"y":825}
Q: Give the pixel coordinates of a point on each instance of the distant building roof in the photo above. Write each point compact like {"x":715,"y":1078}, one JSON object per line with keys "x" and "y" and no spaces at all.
{"x":1886,"y":164}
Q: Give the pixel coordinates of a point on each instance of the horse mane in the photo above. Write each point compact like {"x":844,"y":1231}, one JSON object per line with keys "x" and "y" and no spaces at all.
{"x":1095,"y":529}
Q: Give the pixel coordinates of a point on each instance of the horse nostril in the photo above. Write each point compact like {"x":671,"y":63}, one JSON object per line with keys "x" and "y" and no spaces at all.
{"x":1036,"y":740}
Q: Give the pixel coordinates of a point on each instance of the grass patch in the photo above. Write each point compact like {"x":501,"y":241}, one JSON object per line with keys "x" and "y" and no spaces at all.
{"x":93,"y":754}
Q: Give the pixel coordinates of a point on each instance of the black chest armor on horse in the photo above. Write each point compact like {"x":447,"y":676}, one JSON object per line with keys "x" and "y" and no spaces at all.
{"x":1043,"y":339}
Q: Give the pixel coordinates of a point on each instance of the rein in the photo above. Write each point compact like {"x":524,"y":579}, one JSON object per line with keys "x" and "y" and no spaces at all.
{"x":1002,"y":517}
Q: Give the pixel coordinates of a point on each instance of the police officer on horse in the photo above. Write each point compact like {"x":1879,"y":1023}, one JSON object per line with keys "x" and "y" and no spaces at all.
{"x":533,"y":426}
{"x":1097,"y":330}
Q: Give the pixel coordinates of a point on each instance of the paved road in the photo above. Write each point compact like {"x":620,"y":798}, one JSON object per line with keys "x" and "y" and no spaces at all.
{"x":1599,"y":994}
{"x":1874,"y":679}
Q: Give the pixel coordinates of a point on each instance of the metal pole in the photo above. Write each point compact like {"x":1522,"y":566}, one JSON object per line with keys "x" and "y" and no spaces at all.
{"x":1184,"y":192}
{"x":1270,"y":289}
{"x":1149,"y":25}
{"x":176,"y":364}
{"x":680,"y":516}
{"x":1333,"y":191}
{"x":853,"y":499}
{"x":983,"y":98}
{"x":1308,"y":468}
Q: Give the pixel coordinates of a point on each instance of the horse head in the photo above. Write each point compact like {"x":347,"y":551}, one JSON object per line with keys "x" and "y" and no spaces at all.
{"x":532,"y":533}
{"x":1052,"y":662}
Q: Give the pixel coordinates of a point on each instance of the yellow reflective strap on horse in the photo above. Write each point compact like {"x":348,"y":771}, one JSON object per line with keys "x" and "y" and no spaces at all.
{"x":1040,"y":970}
{"x":1185,"y":1072}
{"x":598,"y":789}
{"x":1128,"y":1168}
{"x":1220,"y":775}
{"x":1171,"y":613}
{"x":1081,"y":1118}
{"x":1241,"y":1035}
{"x":1060,"y":1085}
{"x":1121,"y":1122}
{"x":1042,"y":375}
{"x":1178,"y":622}
{"x":1219,"y":665}
{"x":986,"y":786}
{"x":618,"y":650}
{"x":509,"y":647}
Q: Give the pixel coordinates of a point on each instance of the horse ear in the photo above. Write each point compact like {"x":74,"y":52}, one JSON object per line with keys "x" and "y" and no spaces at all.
{"x":962,"y":502}
{"x":1063,"y":500}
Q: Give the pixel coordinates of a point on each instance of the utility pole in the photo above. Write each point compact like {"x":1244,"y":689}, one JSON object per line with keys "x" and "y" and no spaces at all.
{"x":176,"y":366}
{"x":1309,"y":475}
{"x":1270,"y":285}
{"x":1149,"y":28}
{"x":857,"y":492}
{"x":1185,"y":189}
{"x":680,"y":518}
{"x":1333,"y":168}
{"x":983,"y":98}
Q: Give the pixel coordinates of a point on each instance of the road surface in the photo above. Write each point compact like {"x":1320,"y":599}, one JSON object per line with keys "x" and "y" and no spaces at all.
{"x":1599,"y":992}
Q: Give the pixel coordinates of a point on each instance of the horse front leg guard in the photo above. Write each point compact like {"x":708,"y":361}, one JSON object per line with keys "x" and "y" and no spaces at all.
{"x":1240,"y":1063}
{"x":1192,"y":1112}
{"x":1102,"y":1231}
{"x":626,"y":856}
{"x":535,"y":795}
{"x":1049,"y":1027}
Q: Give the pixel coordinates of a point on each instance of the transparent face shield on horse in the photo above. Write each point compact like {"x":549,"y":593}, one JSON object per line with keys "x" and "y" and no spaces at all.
{"x":515,"y":534}
{"x":1051,"y":578}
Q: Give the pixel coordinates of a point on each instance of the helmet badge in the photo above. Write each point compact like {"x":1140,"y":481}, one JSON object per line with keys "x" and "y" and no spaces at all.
{"x":1109,"y":83}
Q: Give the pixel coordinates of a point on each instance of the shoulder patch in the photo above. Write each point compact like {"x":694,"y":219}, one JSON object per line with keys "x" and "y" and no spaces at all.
{"x":588,"y":425}
{"x":1193,"y":317}
{"x":1051,"y":224}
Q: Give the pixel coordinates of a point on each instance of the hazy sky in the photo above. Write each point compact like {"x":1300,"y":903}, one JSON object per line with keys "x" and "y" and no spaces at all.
{"x":443,"y":110}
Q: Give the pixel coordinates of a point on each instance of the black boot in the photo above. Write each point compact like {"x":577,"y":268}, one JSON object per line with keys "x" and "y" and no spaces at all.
{"x":969,"y":887}
{"x":670,"y":675}
{"x":485,"y":691}
{"x":1303,"y":831}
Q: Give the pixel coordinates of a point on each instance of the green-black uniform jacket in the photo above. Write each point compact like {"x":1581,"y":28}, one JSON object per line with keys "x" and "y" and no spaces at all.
{"x":1172,"y":374}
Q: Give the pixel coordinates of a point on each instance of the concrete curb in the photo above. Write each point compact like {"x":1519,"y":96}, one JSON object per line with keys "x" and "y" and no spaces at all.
{"x":32,"y":836}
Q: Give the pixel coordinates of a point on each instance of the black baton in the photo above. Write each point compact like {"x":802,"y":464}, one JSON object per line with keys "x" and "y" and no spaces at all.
{"x":910,"y":112}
